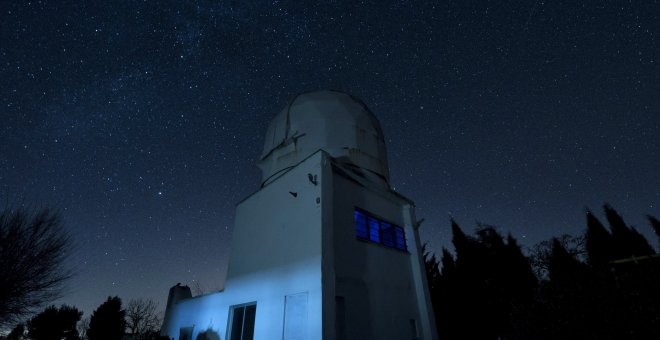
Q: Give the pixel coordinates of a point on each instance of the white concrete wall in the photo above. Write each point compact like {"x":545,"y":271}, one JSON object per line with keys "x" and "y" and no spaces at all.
{"x":285,"y":245}
{"x":377,"y":283}
{"x":276,"y":251}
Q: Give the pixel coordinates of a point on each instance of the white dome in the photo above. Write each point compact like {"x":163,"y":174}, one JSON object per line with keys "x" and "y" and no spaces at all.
{"x":336,"y":122}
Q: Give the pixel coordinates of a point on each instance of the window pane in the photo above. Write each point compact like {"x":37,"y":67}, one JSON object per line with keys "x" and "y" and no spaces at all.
{"x":374,"y":230}
{"x":360,"y":217}
{"x":400,"y":238}
{"x":388,"y":234}
{"x":248,"y":324}
{"x":185,"y":333}
{"x":361,"y":231}
{"x":361,"y":225}
{"x":237,"y":323}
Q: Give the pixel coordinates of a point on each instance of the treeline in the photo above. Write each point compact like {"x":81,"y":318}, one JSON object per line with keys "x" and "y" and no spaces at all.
{"x":33,"y":248}
{"x":604,"y":284}
{"x":139,"y":321}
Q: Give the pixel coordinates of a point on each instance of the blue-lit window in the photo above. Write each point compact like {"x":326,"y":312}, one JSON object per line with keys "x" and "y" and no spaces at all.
{"x":399,"y":239}
{"x":361,"y":224}
{"x":371,"y":228}
{"x":374,"y":229}
{"x":387,"y":231}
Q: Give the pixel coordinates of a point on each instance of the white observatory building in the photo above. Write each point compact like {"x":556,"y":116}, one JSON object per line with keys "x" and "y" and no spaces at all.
{"x":325,"y":249}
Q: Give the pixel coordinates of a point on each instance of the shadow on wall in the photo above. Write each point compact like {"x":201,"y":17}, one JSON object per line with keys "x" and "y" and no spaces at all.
{"x":209,"y":334}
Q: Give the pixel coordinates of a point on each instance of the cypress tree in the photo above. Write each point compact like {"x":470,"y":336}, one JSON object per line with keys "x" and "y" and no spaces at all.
{"x":655,"y":224}
{"x":462,"y":243}
{"x":627,"y":242}
{"x":599,"y":242}
{"x":448,"y":263}
{"x":463,"y":293}
{"x":563,"y":268}
{"x":519,"y":270}
{"x":446,"y":299}
{"x":107,"y":321}
{"x":431,"y":265}
{"x":640,"y":243}
{"x":568,"y":296}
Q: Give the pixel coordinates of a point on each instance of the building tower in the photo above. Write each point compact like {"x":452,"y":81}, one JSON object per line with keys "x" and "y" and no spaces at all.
{"x":325,"y":249}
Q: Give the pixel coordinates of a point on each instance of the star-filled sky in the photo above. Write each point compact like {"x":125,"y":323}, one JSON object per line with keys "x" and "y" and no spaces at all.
{"x":143,"y":120}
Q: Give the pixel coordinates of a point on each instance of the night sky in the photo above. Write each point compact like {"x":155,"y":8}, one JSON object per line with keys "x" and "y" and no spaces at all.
{"x":143,"y":121}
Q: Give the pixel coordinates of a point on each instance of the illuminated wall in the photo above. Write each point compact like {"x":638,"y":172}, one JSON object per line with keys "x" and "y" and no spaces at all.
{"x":382,"y":290}
{"x":295,"y":250}
{"x":293,"y":237}
{"x":276,"y":252}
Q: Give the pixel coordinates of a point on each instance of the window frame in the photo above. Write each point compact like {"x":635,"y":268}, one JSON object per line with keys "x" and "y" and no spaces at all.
{"x":389,"y":235}
{"x":183,"y":330}
{"x":230,"y":319}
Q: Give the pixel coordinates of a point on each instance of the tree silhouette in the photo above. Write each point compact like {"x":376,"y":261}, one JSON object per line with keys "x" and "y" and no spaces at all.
{"x":448,"y":264}
{"x":542,"y":252}
{"x":563,"y":268}
{"x":464,"y":245}
{"x":432,"y":268}
{"x":107,"y":321}
{"x":17,"y":332}
{"x":655,"y":224}
{"x":489,"y":280}
{"x":599,"y":285}
{"x":564,"y":297}
{"x":444,"y":297}
{"x":627,"y":241}
{"x":599,"y":242}
{"x":604,"y":297}
{"x":519,"y":282}
{"x":55,"y":323}
{"x":33,"y":247}
{"x":142,"y":318}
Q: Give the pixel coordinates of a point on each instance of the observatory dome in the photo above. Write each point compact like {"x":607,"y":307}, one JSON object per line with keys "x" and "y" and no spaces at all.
{"x":335,"y":122}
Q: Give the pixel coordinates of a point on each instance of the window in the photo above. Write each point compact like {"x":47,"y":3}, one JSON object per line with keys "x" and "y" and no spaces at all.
{"x":185,"y":333}
{"x":371,"y":228}
{"x":241,"y":321}
{"x":374,"y":229}
{"x":361,"y":224}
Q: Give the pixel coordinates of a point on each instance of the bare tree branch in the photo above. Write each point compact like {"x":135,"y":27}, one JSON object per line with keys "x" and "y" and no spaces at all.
{"x":33,"y":249}
{"x":142,"y":317}
{"x":539,"y":258}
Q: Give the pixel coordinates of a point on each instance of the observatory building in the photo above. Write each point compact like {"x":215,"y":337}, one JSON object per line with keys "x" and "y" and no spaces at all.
{"x":325,"y":249}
